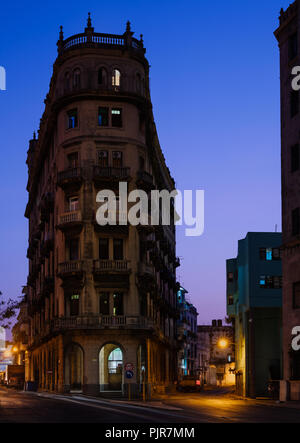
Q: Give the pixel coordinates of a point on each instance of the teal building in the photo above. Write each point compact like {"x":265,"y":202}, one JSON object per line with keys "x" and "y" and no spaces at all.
{"x":254,"y":306}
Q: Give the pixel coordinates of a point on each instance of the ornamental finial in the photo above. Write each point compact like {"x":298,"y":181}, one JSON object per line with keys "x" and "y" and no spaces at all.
{"x":61,"y":33}
{"x":89,"y":21}
{"x":128,"y":26}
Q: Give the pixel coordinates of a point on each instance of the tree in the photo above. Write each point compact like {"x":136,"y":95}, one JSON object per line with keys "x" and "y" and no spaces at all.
{"x":8,"y":310}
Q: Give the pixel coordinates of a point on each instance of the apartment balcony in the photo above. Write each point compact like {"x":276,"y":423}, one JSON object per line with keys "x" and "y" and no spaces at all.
{"x":70,"y":269}
{"x":112,"y":273}
{"x":144,"y":180}
{"x":70,"y":220}
{"x":111,"y":266}
{"x":110,"y":174}
{"x":70,"y":178}
{"x":101,"y":322}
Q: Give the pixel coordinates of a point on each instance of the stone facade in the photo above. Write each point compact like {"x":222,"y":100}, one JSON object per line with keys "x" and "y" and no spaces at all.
{"x":288,"y":36}
{"x":99,"y":297}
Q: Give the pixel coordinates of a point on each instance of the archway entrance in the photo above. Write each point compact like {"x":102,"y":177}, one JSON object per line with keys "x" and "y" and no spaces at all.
{"x":111,"y":368}
{"x":74,"y":368}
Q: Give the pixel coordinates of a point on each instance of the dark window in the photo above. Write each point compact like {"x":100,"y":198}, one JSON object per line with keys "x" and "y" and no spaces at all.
{"x":104,"y":303}
{"x":101,"y":76}
{"x":294,"y":103}
{"x":74,"y":305}
{"x":230,"y":300}
{"x":116,"y":118}
{"x":270,"y":282}
{"x":74,"y":249}
{"x":73,"y":160}
{"x":230,"y":277}
{"x":295,"y":158}
{"x":276,"y":254}
{"x":142,"y":163}
{"x":103,"y":117}
{"x":118,"y":304}
{"x":296,"y":295}
{"x":293,"y":46}
{"x":103,"y":248}
{"x":117,"y":158}
{"x":295,"y":221}
{"x":103,"y":159}
{"x":118,"y":249}
{"x":76,"y":79}
{"x":72,"y":119}
{"x":262,"y":253}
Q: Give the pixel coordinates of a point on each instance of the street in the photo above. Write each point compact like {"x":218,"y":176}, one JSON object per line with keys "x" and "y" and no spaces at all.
{"x":206,"y":407}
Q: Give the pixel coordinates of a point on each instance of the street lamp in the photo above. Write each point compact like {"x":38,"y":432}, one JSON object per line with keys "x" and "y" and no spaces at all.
{"x":223,"y":343}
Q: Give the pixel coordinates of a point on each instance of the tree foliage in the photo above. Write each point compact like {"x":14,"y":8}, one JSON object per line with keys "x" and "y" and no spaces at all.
{"x":8,"y":310}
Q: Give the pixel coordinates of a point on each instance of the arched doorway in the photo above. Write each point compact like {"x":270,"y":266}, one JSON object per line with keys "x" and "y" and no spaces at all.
{"x":74,"y":368}
{"x":111,"y":368}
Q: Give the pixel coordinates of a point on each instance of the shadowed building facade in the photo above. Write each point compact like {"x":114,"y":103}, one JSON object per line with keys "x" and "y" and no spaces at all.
{"x":288,"y":36}
{"x":254,"y":306}
{"x":99,"y":297}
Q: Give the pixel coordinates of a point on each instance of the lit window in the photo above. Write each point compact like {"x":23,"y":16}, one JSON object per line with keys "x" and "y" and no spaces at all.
{"x":116,"y":118}
{"x":103,"y":117}
{"x":116,"y":78}
{"x":118,"y":304}
{"x":115,"y":361}
{"x":269,"y":254}
{"x":72,"y":119}
{"x":73,"y":204}
{"x":262,"y":282}
{"x":74,"y":305}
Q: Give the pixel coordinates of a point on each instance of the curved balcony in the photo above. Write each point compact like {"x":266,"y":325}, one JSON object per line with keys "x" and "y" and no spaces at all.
{"x":112,"y":273}
{"x":101,"y":322}
{"x":70,"y":220}
{"x":70,"y":269}
{"x":110,"y":174}
{"x":71,"y":177}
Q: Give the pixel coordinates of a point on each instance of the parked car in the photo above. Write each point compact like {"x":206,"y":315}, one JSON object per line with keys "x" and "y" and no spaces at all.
{"x":189,"y":383}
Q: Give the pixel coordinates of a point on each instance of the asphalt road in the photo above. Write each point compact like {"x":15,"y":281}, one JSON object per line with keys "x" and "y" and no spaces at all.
{"x":20,"y":407}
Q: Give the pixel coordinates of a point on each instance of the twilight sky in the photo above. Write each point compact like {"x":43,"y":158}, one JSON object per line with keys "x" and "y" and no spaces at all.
{"x":215,"y":91}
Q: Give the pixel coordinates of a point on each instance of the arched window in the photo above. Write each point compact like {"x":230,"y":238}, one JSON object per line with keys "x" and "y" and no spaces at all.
{"x":102,"y":77}
{"x":67,"y":82}
{"x":76,"y":79}
{"x":115,"y":361}
{"x":116,"y":79}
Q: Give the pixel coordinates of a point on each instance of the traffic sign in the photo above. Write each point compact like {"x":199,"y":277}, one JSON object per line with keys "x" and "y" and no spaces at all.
{"x":129,"y":367}
{"x":129,"y":374}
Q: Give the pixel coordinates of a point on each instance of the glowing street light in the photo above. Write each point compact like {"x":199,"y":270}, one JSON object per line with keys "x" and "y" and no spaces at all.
{"x":223,"y":343}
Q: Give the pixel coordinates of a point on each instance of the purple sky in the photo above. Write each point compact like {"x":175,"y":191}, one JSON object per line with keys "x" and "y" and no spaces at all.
{"x":215,"y":91}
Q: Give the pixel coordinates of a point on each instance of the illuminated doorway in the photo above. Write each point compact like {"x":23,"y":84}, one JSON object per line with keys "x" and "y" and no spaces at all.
{"x":111,"y":368}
